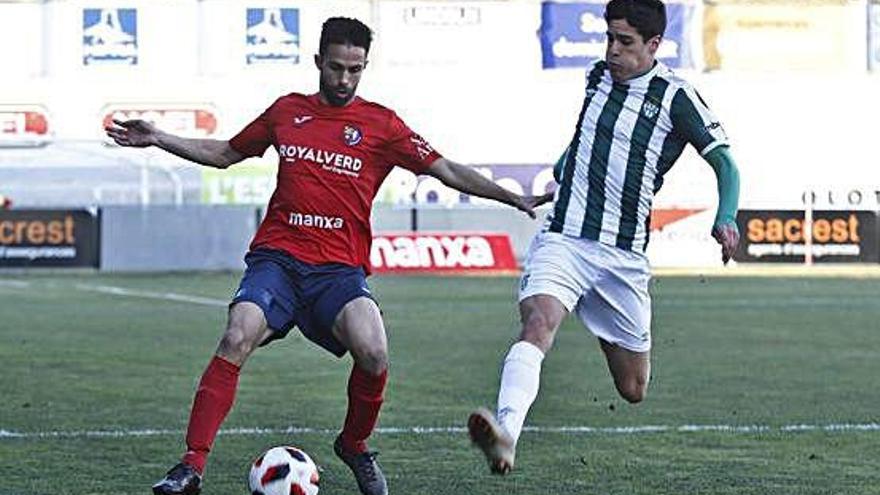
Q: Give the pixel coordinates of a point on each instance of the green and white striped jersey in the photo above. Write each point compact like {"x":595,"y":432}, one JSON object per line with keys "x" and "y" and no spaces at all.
{"x":627,"y":137}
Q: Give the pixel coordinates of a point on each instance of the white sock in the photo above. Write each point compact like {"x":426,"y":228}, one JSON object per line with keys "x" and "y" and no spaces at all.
{"x":520,"y":380}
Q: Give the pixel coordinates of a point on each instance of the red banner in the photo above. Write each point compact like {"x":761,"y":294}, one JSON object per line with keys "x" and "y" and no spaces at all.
{"x":188,"y":120}
{"x":23,"y":126}
{"x":443,"y":252}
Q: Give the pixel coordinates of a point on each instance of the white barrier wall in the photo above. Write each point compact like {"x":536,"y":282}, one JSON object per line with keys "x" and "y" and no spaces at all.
{"x":467,"y":75}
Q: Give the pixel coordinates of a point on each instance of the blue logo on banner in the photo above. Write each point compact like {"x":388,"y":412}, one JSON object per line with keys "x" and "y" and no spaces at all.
{"x":110,"y":36}
{"x":272,"y":36}
{"x":573,"y":35}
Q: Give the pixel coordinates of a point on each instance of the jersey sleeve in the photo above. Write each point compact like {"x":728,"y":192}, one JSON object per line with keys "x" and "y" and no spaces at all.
{"x":256,"y":136}
{"x":695,"y":123}
{"x":407,"y":149}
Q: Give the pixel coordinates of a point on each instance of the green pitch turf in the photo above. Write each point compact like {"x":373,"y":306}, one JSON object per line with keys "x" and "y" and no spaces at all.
{"x":760,"y":386}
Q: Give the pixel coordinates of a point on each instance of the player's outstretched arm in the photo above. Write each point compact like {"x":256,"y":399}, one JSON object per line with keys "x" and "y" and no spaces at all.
{"x":141,"y":134}
{"x":724,"y":229}
{"x":470,"y":182}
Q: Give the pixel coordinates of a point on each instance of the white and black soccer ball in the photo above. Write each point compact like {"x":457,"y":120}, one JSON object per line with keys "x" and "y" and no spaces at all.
{"x":284,"y":470}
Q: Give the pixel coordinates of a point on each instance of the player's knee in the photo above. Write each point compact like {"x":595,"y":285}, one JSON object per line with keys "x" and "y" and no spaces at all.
{"x":372,"y":359}
{"x":235,"y":344}
{"x":538,"y":330}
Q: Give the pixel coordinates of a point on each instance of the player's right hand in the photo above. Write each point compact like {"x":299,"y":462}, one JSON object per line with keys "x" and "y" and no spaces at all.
{"x":528,"y":204}
{"x":727,"y":235}
{"x":137,"y":133}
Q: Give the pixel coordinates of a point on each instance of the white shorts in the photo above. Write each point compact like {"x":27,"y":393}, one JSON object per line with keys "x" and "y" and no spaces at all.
{"x":607,"y":286}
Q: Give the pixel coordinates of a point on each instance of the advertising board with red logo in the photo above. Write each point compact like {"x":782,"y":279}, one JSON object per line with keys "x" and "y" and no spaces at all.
{"x":681,"y":237}
{"x":191,"y":120}
{"x":442,"y":252}
{"x":24,"y":126}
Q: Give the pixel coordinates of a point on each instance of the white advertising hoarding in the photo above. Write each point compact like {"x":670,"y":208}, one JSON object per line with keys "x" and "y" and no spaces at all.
{"x":874,"y":35}
{"x":21,"y":39}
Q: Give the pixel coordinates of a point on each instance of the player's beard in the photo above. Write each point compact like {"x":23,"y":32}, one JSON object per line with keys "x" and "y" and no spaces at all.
{"x":334,"y":98}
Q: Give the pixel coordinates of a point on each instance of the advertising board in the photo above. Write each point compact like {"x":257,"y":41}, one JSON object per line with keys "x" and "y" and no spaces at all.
{"x":573,"y":34}
{"x":838,"y":236}
{"x":442,"y":252}
{"x":49,"y":238}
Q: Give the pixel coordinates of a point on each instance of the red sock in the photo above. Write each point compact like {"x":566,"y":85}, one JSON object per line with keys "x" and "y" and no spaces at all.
{"x":365,"y":395}
{"x":212,"y":403}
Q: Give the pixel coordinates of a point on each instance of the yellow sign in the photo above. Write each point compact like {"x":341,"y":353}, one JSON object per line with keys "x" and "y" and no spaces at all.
{"x":784,"y":35}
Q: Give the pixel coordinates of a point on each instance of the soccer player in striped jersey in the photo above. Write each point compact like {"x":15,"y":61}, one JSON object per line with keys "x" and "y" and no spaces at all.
{"x":636,"y":119}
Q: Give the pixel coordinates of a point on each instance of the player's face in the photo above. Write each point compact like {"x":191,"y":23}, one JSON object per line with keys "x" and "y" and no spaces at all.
{"x":341,"y":67}
{"x":627,"y":54}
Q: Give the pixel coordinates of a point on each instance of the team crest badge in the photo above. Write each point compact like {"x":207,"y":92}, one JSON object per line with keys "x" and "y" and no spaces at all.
{"x":352,"y":135}
{"x":650,"y":109}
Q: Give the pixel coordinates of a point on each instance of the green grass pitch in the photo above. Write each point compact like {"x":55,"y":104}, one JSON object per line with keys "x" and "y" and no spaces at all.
{"x":760,"y":386}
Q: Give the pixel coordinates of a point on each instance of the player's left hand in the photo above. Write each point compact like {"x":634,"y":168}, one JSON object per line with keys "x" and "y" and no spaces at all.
{"x":727,"y":235}
{"x":529,"y":203}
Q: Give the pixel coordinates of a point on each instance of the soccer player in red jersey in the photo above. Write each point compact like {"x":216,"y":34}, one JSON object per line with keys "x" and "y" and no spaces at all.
{"x":308,"y":262}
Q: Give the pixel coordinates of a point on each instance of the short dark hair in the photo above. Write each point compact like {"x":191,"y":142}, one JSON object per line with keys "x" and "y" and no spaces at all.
{"x":345,"y":31}
{"x":648,"y":17}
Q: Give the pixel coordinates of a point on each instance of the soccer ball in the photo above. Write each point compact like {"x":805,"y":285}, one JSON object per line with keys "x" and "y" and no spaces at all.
{"x":283,"y":471}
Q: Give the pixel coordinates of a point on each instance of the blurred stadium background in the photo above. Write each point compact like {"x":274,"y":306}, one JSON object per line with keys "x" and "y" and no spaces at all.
{"x":496,"y":84}
{"x":776,"y":396}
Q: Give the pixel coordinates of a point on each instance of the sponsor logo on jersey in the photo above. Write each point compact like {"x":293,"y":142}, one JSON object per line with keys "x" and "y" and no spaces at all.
{"x":422,"y":147}
{"x":301,"y":119}
{"x":330,"y":161}
{"x":316,"y":221}
{"x":716,"y":129}
{"x":352,"y":135}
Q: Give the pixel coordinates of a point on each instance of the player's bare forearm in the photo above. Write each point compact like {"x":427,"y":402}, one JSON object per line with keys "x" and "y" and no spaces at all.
{"x":469,"y":181}
{"x":208,"y":152}
{"x":141,"y":134}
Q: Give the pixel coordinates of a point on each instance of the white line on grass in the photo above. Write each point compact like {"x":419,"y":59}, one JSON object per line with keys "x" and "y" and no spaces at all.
{"x":146,"y":294}
{"x":435,"y":430}
{"x":18,"y":284}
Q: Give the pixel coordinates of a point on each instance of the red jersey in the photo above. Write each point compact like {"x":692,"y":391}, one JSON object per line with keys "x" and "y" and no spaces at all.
{"x":332,"y":161}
